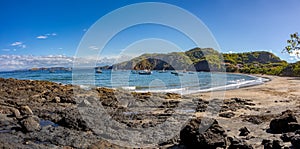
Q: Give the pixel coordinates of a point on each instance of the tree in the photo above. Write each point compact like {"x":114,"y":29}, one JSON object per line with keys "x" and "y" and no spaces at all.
{"x":293,"y":45}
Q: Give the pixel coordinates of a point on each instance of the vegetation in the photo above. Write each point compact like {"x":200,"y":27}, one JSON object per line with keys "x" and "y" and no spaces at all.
{"x":208,"y":59}
{"x":293,"y":44}
{"x":260,"y":62}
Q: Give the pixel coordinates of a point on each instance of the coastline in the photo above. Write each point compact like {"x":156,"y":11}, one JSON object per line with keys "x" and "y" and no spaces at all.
{"x":258,"y":80}
{"x":51,"y":109}
{"x":270,"y":99}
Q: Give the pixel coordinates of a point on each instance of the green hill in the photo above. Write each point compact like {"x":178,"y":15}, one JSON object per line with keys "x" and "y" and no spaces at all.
{"x":196,"y":59}
{"x":254,"y":62}
{"x":208,"y":59}
{"x":292,"y":70}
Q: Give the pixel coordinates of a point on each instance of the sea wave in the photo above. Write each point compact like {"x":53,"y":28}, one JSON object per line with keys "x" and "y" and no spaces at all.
{"x":190,"y":90}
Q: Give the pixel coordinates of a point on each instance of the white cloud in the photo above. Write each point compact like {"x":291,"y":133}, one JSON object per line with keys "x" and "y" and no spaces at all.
{"x":229,"y":52}
{"x":18,"y":44}
{"x":93,"y":48}
{"x":15,"y":62}
{"x":45,"y":36}
{"x":42,"y":37}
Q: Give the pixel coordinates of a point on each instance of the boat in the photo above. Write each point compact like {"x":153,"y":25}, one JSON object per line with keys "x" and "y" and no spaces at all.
{"x":176,"y":73}
{"x":98,"y":71}
{"x":145,"y":72}
{"x":51,"y":71}
{"x":69,"y":69}
{"x":162,"y":71}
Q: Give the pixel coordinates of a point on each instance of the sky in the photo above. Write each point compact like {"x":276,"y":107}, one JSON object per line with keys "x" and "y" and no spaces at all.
{"x":35,"y":33}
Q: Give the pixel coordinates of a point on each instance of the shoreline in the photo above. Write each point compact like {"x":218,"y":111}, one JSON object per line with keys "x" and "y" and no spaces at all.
{"x":184,"y":90}
{"x":52,"y":110}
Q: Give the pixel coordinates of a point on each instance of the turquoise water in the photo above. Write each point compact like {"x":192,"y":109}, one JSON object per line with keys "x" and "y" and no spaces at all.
{"x":156,"y":82}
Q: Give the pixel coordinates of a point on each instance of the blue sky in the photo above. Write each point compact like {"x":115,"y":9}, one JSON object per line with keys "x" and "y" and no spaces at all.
{"x":55,"y":27}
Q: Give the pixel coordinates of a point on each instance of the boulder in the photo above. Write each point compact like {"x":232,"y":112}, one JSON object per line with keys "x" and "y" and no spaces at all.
{"x":16,"y":112}
{"x":31,"y":123}
{"x":286,"y":137}
{"x":227,"y":114}
{"x":269,"y":144}
{"x":71,"y":118}
{"x":212,"y":138}
{"x":281,"y":124}
{"x":25,"y":110}
{"x":238,"y":144}
{"x":56,"y":99}
{"x":277,"y":144}
{"x":244,"y":131}
{"x":293,"y":126}
{"x":296,"y":142}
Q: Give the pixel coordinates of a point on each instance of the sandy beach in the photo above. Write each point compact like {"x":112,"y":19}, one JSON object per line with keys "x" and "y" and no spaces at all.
{"x":270,"y":99}
{"x":40,"y":114}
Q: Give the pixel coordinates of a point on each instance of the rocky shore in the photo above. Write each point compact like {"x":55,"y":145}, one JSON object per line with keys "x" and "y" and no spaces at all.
{"x":41,"y":114}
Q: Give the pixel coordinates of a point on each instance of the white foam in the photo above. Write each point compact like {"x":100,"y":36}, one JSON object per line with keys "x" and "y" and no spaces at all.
{"x":236,"y":84}
{"x":129,"y":88}
{"x":85,"y":87}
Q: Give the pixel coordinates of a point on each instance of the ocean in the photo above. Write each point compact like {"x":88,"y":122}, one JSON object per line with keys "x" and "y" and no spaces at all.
{"x":168,"y":81}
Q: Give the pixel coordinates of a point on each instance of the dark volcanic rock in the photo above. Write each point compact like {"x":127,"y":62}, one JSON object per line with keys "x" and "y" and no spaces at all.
{"x":276,"y":144}
{"x":202,"y":105}
{"x":296,"y":142}
{"x":212,"y":138}
{"x":227,"y":114}
{"x":31,"y":123}
{"x":238,"y":144}
{"x":281,"y":124}
{"x":234,"y":104}
{"x":269,"y":144}
{"x":244,"y":131}
{"x":71,"y":118}
{"x":61,"y":136}
{"x":105,"y":145}
{"x":254,"y":120}
{"x":172,"y":96}
{"x":293,"y":126}
{"x":286,"y":137}
{"x":8,"y":124}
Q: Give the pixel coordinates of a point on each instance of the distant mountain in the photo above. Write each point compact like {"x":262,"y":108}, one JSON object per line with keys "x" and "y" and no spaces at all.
{"x":208,"y":59}
{"x":196,"y":59}
{"x":51,"y":69}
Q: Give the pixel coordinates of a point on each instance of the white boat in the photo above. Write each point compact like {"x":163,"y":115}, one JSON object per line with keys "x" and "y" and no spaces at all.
{"x":162,"y":71}
{"x":145,"y":72}
{"x":98,"y":71}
